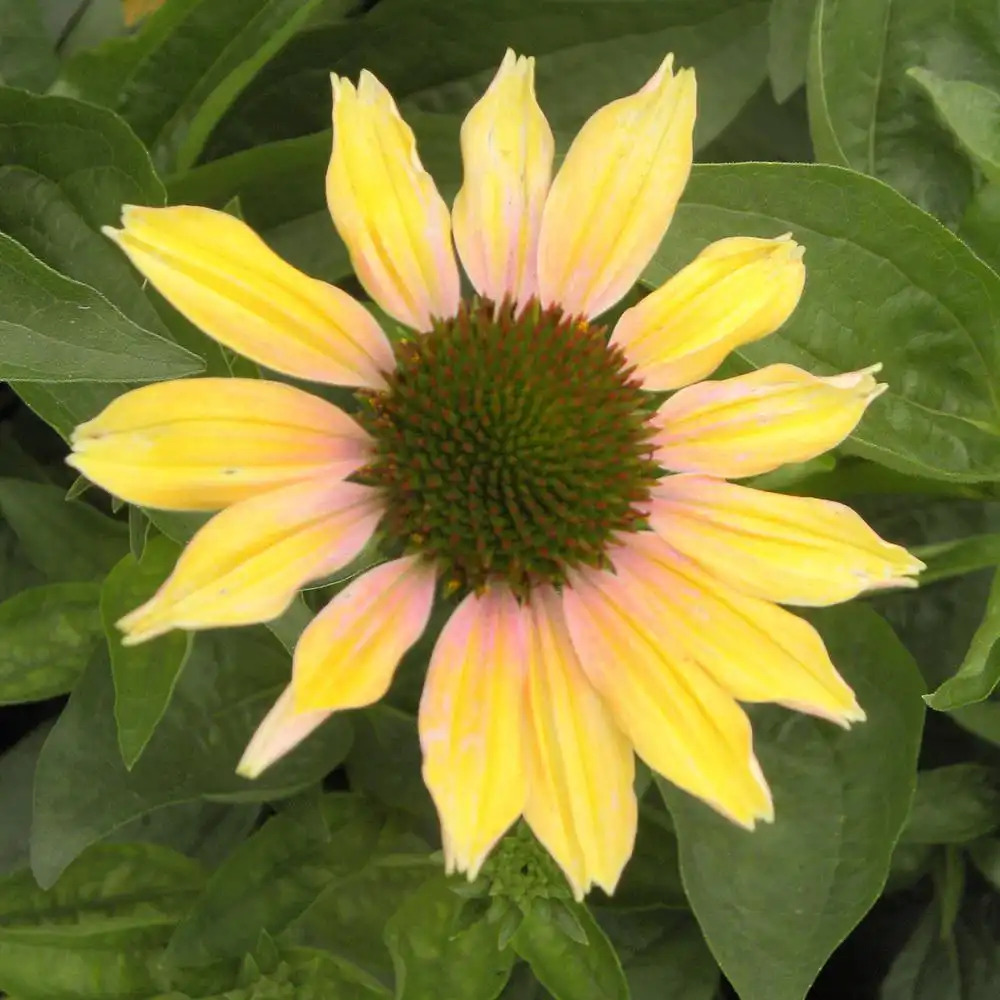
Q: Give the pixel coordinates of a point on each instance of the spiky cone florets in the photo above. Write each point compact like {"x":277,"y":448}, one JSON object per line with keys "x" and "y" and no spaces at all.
{"x":511,"y":445}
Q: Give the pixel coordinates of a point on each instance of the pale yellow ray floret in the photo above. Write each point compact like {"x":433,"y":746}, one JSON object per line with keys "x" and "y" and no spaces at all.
{"x":615,"y":194}
{"x":507,"y":154}
{"x":681,"y":722}
{"x":735,"y":291}
{"x":247,"y":563}
{"x":581,"y":804}
{"x":348,"y":653}
{"x":753,"y":649}
{"x":202,"y":444}
{"x":754,"y":423}
{"x":224,"y":278}
{"x":471,"y":726}
{"x":386,"y":207}
{"x":793,"y":550}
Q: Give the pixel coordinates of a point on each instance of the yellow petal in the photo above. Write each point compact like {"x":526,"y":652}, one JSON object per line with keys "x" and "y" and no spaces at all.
{"x":387,"y":209}
{"x":754,"y":423}
{"x":753,"y":649}
{"x":681,"y":722}
{"x":581,"y":804}
{"x":507,"y":152}
{"x":615,"y":194}
{"x":224,"y":278}
{"x":282,"y":729}
{"x":793,"y":550}
{"x":734,"y":292}
{"x":247,"y":563}
{"x":471,"y":726}
{"x":348,"y":653}
{"x":202,"y":444}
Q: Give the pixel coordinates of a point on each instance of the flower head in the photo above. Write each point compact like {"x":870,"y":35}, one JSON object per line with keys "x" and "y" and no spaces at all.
{"x":615,"y":593}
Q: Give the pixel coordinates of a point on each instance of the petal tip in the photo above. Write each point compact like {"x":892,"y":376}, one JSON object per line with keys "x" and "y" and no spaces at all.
{"x":133,"y":638}
{"x":146,"y":622}
{"x":786,"y":249}
{"x":855,"y":714}
{"x":250,"y":767}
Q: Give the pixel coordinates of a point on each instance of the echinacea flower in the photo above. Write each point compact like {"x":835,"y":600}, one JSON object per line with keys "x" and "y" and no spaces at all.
{"x":614,"y":592}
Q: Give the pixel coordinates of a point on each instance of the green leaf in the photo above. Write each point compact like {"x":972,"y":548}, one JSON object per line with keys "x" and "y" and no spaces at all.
{"x":886,"y":283}
{"x":972,"y":112}
{"x":66,"y":539}
{"x":794,"y":889}
{"x":204,"y":830}
{"x":960,"y":963}
{"x":138,"y":532}
{"x":980,"y":226}
{"x":384,"y":761}
{"x":98,"y":931}
{"x":17,"y":572}
{"x":231,"y":680}
{"x":953,"y":805}
{"x":67,"y":169}
{"x":88,"y":153}
{"x":568,"y":969}
{"x":985,"y":855}
{"x":585,"y":56}
{"x":294,"y":974}
{"x":47,"y":636}
{"x":910,"y":863}
{"x":788,"y":22}
{"x":349,"y":916}
{"x":57,"y":330}
{"x":272,"y":877}
{"x":867,"y":113}
{"x":763,"y":130}
{"x":663,"y":955}
{"x":935,"y":623}
{"x":289,"y":626}
{"x":17,"y":775}
{"x":275,"y":182}
{"x":27,"y":58}
{"x":145,"y":675}
{"x":957,"y":557}
{"x":434,"y":957}
{"x":979,"y":673}
{"x":177,"y":77}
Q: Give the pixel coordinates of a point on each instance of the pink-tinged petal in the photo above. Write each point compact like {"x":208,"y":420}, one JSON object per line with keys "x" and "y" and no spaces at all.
{"x":387,"y":210}
{"x":507,"y":153}
{"x":348,"y":653}
{"x":248,"y":562}
{"x":615,"y":194}
{"x":734,"y":292}
{"x":680,"y":720}
{"x":224,"y":278}
{"x":471,"y":726}
{"x":202,"y":444}
{"x":581,"y":804}
{"x":793,"y":550}
{"x":282,"y":730}
{"x":752,"y":648}
{"x":754,"y":423}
